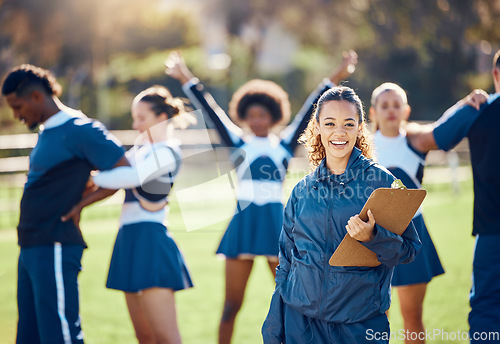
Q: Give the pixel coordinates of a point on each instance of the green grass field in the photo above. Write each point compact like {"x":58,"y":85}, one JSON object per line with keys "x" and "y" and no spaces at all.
{"x":105,"y":318}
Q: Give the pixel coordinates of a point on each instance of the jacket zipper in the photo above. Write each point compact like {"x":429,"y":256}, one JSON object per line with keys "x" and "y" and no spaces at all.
{"x":328,"y":244}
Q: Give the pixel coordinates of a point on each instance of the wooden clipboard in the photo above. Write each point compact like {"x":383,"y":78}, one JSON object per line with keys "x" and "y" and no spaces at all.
{"x":392,"y":209}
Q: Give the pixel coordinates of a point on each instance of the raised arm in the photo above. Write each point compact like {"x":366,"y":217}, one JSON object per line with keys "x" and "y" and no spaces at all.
{"x":292,"y":132}
{"x":346,"y":68}
{"x":451,"y":128}
{"x":229,"y":132}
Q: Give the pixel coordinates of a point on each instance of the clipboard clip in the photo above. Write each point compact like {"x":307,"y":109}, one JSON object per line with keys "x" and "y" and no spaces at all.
{"x":398,"y":184}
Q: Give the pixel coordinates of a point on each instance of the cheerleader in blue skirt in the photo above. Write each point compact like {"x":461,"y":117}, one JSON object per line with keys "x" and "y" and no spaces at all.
{"x":261,"y":160}
{"x":146,"y":263}
{"x":389,"y":111}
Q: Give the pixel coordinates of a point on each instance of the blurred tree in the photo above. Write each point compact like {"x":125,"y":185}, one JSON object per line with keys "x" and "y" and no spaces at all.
{"x":427,"y":51}
{"x":430,"y":47}
{"x":78,"y":39}
{"x":104,"y":50}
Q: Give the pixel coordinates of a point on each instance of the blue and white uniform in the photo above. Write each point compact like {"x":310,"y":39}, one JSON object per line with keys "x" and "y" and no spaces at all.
{"x":261,"y":164}
{"x":480,"y":127}
{"x":69,"y":146}
{"x":407,"y":164}
{"x":145,"y":255}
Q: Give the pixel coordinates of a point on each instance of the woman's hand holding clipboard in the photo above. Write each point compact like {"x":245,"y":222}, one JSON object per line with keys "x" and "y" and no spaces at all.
{"x":393,"y":209}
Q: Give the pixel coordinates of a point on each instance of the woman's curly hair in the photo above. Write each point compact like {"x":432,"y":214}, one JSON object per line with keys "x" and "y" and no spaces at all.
{"x":312,"y":140}
{"x":260,"y":92}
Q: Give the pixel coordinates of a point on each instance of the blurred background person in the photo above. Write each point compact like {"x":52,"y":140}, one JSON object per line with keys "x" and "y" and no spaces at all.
{"x":478,"y":125}
{"x":389,"y":112}
{"x":146,"y":263}
{"x":69,"y":146}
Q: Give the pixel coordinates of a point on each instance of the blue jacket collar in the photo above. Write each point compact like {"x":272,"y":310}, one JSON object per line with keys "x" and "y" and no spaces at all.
{"x":356,"y":163}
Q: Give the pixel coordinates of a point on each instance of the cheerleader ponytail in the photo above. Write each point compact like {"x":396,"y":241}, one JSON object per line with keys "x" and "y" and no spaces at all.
{"x":161,"y":101}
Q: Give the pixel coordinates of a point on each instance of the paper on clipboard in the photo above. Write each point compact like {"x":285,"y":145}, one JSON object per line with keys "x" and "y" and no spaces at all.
{"x":392,"y":209}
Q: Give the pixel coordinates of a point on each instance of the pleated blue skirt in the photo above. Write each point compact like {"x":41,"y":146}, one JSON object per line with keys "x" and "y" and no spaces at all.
{"x":145,"y":256}
{"x":426,"y":264}
{"x":253,"y":232}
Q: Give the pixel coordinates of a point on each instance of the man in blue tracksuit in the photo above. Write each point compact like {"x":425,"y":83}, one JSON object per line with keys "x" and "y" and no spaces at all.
{"x":69,"y":146}
{"x":480,"y":127}
{"x":313,"y":301}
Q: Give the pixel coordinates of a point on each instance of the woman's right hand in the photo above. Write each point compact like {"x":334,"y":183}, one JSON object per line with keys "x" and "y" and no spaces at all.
{"x":177,"y":69}
{"x":359,"y":229}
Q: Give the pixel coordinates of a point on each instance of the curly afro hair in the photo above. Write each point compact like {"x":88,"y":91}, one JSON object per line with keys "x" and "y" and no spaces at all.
{"x":264,"y":93}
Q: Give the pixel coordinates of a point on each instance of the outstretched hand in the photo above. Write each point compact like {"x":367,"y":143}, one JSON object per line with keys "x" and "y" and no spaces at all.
{"x":346,"y":68}
{"x":359,"y":229}
{"x":176,"y":68}
{"x":475,"y":99}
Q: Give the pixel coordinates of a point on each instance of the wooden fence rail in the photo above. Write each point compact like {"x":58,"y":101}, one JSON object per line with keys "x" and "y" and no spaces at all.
{"x":15,"y":162}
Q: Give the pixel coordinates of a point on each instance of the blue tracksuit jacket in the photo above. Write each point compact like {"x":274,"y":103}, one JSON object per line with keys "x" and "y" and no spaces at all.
{"x":314,"y":225}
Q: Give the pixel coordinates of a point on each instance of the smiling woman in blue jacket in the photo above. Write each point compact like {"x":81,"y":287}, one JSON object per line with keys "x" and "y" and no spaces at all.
{"x":313,"y":301}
